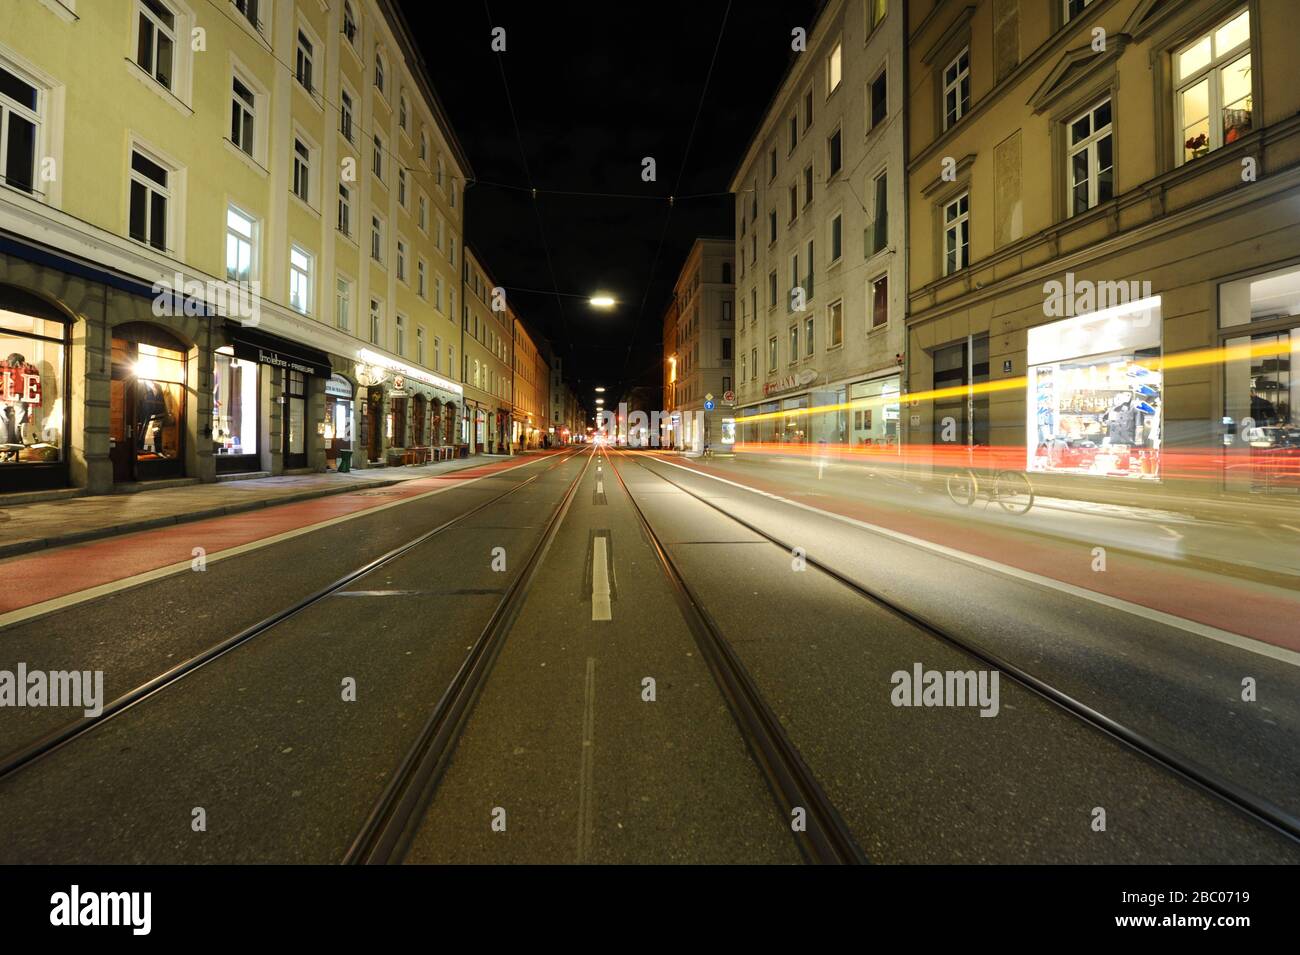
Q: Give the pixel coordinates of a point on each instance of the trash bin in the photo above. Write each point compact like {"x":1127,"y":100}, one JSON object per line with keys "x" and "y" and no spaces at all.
{"x":345,"y":461}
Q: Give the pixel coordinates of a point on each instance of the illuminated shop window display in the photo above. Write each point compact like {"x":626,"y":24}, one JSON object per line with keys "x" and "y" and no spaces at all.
{"x":234,"y":404}
{"x":1095,"y":394}
{"x":31,"y":389}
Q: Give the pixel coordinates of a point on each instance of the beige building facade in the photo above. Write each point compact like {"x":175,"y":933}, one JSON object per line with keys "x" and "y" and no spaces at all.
{"x":1105,"y":242}
{"x":488,"y":347}
{"x":821,"y":241}
{"x":532,"y":381}
{"x":704,"y":342}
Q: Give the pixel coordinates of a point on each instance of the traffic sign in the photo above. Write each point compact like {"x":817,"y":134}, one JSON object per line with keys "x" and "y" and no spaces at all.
{"x":728,"y":397}
{"x":709,"y":396}
{"x":708,"y":404}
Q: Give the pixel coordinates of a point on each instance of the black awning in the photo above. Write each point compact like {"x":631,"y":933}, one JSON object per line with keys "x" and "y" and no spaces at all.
{"x":265,"y":349}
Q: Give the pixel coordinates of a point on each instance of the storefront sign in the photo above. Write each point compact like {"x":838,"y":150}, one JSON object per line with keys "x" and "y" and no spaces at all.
{"x":279,"y":353}
{"x":790,"y":382}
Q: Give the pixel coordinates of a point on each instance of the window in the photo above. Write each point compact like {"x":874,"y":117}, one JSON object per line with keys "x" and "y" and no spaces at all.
{"x":437,"y":353}
{"x":150,"y":199}
{"x":753,"y":360}
{"x":956,"y":88}
{"x":808,"y":109}
{"x":440,"y":171}
{"x":879,"y":295}
{"x":423,"y":209}
{"x":1074,"y":7}
{"x":771,"y":226}
{"x":376,"y":322}
{"x":956,"y":234}
{"x":771,"y":354}
{"x":239,"y":245}
{"x":424,"y":145}
{"x":794,"y":272}
{"x":437,"y":292}
{"x":302,"y":64}
{"x":808,"y":184}
{"x":377,"y":239}
{"x":808,"y":325}
{"x":794,"y":344}
{"x":726,"y":273}
{"x":876,"y":10}
{"x":1215,"y":93}
{"x":399,"y":336}
{"x":835,"y":315}
{"x":402,"y":110}
{"x":345,"y":210}
{"x":744,"y":361}
{"x":834,"y":155}
{"x":771,"y":164}
{"x":345,"y":115}
{"x":794,"y":131}
{"x":401,"y":186}
{"x":301,"y":170}
{"x":421,"y":279}
{"x":419,"y":346}
{"x":880,"y":224}
{"x":19,"y":123}
{"x":379,"y":71}
{"x":377,"y":161}
{"x":343,"y":303}
{"x":249,"y":9}
{"x":300,"y":283}
{"x":771,"y":289}
{"x":726,"y":348}
{"x":834,"y":72}
{"x":753,"y":305}
{"x":837,"y":224}
{"x":155,"y":51}
{"x":349,"y":22}
{"x":878,"y":98}
{"x":243,"y":113}
{"x":794,"y":202}
{"x":401,"y":260}
{"x":1091,"y":159}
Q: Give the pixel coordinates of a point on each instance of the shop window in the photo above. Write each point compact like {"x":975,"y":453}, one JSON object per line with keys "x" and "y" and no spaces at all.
{"x":1213,"y":97}
{"x":1091,"y":158}
{"x":874,"y":413}
{"x":1096,"y":393}
{"x":146,"y":404}
{"x":234,"y":406}
{"x":33,"y":409}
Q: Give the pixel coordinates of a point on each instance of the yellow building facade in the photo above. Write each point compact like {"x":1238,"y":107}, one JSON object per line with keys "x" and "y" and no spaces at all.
{"x":230,"y":241}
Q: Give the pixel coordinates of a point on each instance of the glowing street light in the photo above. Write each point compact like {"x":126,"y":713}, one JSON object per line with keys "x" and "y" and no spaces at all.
{"x":601,"y":301}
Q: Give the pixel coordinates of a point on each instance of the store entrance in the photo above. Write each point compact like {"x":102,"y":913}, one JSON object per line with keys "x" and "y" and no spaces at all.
{"x":962,"y":419}
{"x":375,"y":422}
{"x":147,"y":405}
{"x":293,"y":424}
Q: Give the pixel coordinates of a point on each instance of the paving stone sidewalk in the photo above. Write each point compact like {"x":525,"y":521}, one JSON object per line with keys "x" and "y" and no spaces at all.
{"x":34,"y":526}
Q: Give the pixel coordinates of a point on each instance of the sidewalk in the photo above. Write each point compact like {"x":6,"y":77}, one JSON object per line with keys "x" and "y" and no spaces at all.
{"x":29,"y":527}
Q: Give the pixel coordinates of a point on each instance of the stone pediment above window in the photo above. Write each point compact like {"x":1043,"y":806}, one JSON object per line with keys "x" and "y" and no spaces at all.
{"x":1076,"y":68}
{"x":1148,"y":14}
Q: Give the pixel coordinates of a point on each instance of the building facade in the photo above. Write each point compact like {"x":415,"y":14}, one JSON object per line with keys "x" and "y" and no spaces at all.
{"x":820,"y":244}
{"x":229,"y":241}
{"x":488,"y":346}
{"x":667,"y":431}
{"x":1105,"y":235}
{"x":531,"y":390}
{"x":705,"y":340}
{"x":568,"y":418}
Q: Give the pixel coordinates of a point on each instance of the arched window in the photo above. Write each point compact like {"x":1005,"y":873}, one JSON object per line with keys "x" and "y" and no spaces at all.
{"x":33,"y":404}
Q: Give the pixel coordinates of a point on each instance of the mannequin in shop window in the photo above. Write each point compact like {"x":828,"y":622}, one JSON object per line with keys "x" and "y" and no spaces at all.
{"x":151,"y":417}
{"x":1122,"y":420}
{"x":1261,"y":409}
{"x":20,"y":386}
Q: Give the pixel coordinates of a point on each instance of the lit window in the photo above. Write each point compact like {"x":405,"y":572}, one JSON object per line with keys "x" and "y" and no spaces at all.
{"x":834,"y":70}
{"x":343,"y":303}
{"x":239,"y":245}
{"x":879,"y":291}
{"x":835,"y":316}
{"x":376,"y":322}
{"x":1215,"y":93}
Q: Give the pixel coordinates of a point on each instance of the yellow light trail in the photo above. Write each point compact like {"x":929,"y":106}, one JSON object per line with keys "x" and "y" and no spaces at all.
{"x":1190,"y":359}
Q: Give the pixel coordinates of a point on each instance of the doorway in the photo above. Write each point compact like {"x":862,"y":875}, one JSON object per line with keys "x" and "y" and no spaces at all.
{"x":374,"y":421}
{"x":147,"y":405}
{"x":293,"y":424}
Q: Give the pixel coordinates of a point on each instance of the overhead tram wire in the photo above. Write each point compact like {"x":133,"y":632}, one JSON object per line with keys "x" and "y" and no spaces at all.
{"x":528,"y":174}
{"x":681,"y":172}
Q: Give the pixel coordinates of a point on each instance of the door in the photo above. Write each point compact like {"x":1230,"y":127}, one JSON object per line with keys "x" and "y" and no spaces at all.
{"x":375,"y":421}
{"x":293,"y":422}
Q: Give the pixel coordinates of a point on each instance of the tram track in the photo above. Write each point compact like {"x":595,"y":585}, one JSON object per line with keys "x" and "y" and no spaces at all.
{"x":1252,"y":806}
{"x":26,"y":755}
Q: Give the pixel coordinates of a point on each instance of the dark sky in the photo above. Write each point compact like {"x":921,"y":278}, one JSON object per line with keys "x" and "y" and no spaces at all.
{"x":595,"y":88}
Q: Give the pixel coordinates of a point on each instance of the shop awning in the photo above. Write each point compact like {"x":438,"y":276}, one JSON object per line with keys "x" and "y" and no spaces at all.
{"x":266,"y":349}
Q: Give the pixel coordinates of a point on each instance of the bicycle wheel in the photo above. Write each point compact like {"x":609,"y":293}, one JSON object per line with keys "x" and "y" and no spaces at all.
{"x":963,"y":487}
{"x":1013,"y":491}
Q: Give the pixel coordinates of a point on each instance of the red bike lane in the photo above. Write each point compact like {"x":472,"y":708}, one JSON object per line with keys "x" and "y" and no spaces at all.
{"x":63,"y":572}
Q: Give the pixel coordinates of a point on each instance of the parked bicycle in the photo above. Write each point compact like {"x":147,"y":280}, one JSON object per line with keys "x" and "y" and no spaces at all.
{"x":1011,"y":489}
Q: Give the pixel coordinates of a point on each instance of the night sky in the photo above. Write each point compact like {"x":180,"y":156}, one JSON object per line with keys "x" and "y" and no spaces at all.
{"x":595,"y":88}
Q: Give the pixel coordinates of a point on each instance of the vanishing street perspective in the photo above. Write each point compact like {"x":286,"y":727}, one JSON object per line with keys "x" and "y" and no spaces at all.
{"x":713,"y":432}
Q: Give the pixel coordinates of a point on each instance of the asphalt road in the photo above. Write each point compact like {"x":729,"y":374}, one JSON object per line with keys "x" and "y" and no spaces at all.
{"x":599,"y":735}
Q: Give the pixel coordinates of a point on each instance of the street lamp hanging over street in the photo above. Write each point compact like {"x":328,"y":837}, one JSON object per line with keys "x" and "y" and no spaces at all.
{"x":601,"y":301}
